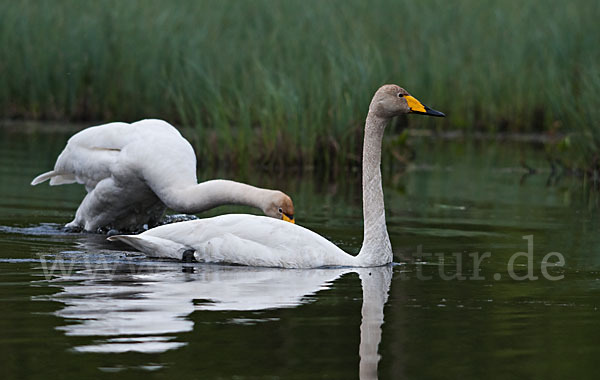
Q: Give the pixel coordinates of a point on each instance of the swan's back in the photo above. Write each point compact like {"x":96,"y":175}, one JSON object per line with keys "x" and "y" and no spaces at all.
{"x":241,"y":239}
{"x":91,"y":153}
{"x":120,"y":149}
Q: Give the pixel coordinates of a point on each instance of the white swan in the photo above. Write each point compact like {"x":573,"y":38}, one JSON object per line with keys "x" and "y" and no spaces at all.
{"x":133,"y":172}
{"x":259,"y":241}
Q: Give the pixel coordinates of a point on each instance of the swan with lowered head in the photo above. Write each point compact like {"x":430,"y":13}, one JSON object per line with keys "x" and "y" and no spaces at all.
{"x":133,"y":172}
{"x":259,"y":241}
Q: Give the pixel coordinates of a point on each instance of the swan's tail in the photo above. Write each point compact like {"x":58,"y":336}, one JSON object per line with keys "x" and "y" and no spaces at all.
{"x":43,"y":177}
{"x":153,"y":246}
{"x":54,"y":177}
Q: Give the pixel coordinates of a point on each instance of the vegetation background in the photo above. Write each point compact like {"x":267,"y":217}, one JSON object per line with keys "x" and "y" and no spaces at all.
{"x":280,"y":82}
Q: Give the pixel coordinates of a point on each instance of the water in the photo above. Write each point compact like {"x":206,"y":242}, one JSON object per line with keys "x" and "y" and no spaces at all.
{"x":74,"y":305}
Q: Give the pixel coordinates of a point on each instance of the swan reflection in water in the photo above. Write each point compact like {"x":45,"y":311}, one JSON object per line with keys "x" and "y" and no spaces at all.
{"x":135,"y":310}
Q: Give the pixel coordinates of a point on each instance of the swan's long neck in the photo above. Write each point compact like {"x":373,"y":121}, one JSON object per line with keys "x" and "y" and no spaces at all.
{"x":376,"y":248}
{"x":206,"y":195}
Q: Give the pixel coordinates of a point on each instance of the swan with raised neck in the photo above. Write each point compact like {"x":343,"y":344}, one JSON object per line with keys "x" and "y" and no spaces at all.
{"x":259,"y":241}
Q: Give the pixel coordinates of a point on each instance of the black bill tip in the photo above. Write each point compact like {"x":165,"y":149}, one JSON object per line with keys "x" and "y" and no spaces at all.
{"x":430,"y":112}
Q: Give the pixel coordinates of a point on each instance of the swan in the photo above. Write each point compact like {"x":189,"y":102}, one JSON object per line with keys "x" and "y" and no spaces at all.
{"x":133,"y":172}
{"x":259,"y":241}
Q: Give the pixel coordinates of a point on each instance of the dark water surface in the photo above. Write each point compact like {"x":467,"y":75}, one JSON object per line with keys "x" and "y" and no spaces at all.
{"x":76,"y":306}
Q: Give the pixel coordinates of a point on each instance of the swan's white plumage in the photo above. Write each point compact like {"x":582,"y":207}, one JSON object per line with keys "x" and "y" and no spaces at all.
{"x":241,"y":239}
{"x":123,"y":167}
{"x":133,"y":172}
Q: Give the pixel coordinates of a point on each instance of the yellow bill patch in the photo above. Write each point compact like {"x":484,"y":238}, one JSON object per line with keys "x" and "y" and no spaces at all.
{"x":288,"y":219}
{"x":414,"y":104}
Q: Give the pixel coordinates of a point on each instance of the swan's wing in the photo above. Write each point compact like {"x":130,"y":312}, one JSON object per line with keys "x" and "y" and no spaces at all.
{"x":116,"y":149}
{"x":88,"y":156}
{"x":249,"y":240}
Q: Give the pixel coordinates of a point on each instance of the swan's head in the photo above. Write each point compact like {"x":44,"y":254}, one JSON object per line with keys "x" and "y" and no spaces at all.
{"x":280,"y":206}
{"x":392,"y":100}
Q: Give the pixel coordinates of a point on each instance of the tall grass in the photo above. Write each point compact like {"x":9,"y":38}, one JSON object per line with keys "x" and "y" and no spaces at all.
{"x":290,"y":81}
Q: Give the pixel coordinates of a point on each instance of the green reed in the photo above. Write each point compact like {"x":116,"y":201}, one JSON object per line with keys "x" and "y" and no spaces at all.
{"x":279,"y":82}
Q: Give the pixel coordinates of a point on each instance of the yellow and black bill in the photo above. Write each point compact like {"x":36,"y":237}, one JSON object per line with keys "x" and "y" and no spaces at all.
{"x":288,"y":218}
{"x":418,"y":107}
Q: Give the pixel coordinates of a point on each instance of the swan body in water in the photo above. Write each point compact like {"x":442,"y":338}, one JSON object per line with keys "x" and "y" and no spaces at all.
{"x":133,"y":172}
{"x":260,"y":241}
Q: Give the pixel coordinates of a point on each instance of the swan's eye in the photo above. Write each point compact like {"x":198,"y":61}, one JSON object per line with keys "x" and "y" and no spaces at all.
{"x":280,"y":210}
{"x":400,"y":95}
